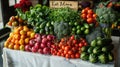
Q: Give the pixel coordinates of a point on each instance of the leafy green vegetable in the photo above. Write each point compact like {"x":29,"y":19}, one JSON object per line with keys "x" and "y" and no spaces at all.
{"x":61,"y":29}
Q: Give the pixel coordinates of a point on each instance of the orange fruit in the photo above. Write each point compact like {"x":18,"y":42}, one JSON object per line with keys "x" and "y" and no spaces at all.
{"x":16,"y":47}
{"x":22,"y":36}
{"x":16,"y":41}
{"x":11,"y":46}
{"x":21,"y":42}
{"x":17,"y":36}
{"x":6,"y":44}
{"x":20,"y":28}
{"x":28,"y":33}
{"x":27,"y":40}
{"x":32,"y":35}
{"x":22,"y":32}
{"x":25,"y":28}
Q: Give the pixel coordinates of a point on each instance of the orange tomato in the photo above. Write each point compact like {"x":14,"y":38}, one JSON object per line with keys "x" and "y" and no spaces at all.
{"x":89,"y":16}
{"x":16,"y":47}
{"x":94,"y":15}
{"x":87,"y":8}
{"x":90,"y":20}
{"x":84,"y":11}
{"x":90,"y":11}
{"x":84,"y":16}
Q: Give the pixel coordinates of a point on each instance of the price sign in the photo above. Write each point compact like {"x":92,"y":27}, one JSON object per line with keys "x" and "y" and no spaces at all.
{"x":61,"y":4}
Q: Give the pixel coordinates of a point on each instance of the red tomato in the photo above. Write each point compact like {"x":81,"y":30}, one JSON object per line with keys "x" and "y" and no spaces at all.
{"x":63,"y":47}
{"x":58,"y":54}
{"x":77,"y":55}
{"x":72,"y":37}
{"x":60,"y":50}
{"x":70,"y":52}
{"x":85,"y":44}
{"x":80,"y":44}
{"x":65,"y":52}
{"x":67,"y":56}
{"x":72,"y":56}
{"x":67,"y":48}
{"x":74,"y":49}
{"x":62,"y":54}
{"x":74,"y":41}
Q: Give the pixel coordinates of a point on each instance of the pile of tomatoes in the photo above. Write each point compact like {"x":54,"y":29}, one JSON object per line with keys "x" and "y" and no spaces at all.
{"x":88,"y":15}
{"x":68,"y":47}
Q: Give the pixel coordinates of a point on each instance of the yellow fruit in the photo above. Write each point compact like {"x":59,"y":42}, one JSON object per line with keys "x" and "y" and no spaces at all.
{"x":11,"y":46}
{"x":22,"y":32}
{"x":25,"y":28}
{"x":21,"y":42}
{"x":22,"y":47}
{"x":32,"y":35}
{"x":27,"y":40}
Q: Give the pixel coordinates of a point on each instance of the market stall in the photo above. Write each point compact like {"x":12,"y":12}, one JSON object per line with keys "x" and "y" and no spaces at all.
{"x":63,"y":34}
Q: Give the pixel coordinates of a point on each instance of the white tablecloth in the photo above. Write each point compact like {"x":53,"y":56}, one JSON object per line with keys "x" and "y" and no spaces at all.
{"x":14,"y":58}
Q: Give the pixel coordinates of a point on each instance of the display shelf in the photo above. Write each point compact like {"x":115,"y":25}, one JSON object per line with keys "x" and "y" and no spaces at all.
{"x":14,"y":58}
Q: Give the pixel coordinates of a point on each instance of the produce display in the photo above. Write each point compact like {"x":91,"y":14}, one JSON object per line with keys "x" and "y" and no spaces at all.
{"x":84,"y":34}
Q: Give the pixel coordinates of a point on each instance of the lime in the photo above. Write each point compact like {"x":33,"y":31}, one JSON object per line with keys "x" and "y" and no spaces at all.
{"x":78,"y":32}
{"x":48,"y":24}
{"x":74,"y":29}
{"x":86,"y":31}
{"x":82,"y":28}
{"x":76,"y":23}
{"x":78,"y":27}
{"x":71,"y":23}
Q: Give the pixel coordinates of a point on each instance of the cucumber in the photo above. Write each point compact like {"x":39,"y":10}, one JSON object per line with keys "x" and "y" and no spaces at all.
{"x":42,"y":25}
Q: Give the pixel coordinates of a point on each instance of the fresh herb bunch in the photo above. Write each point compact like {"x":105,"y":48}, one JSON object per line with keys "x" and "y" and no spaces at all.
{"x":64,"y":14}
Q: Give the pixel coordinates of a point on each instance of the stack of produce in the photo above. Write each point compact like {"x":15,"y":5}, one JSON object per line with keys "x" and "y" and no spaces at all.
{"x":19,"y":37}
{"x":68,"y":47}
{"x":99,"y":50}
{"x":62,"y":32}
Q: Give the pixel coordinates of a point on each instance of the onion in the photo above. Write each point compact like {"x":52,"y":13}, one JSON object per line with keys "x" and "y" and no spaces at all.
{"x":85,"y":4}
{"x":34,"y":49}
{"x":40,"y":51}
{"x":32,"y":42}
{"x":43,"y":45}
{"x":27,"y":48}
{"x":46,"y":50}
{"x":44,"y":40}
{"x":44,"y":36}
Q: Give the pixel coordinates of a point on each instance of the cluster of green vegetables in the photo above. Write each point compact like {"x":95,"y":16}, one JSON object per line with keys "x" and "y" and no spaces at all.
{"x":64,"y":14}
{"x":61,"y":29}
{"x":106,"y":15}
{"x":80,"y":28}
{"x":99,"y":50}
